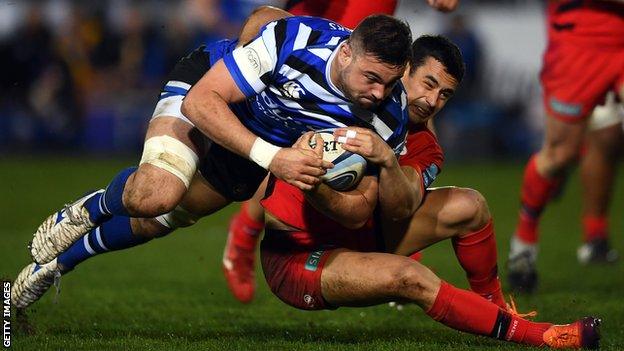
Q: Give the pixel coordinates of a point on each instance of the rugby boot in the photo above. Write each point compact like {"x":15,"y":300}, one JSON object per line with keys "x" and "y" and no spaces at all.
{"x":596,"y":251}
{"x":521,"y":270}
{"x":582,"y":334}
{"x":60,"y":230}
{"x":33,"y":281}
{"x":238,"y":261}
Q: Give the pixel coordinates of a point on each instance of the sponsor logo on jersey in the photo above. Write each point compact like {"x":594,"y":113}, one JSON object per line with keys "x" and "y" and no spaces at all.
{"x":430,"y":174}
{"x":254,"y":59}
{"x":292,"y":90}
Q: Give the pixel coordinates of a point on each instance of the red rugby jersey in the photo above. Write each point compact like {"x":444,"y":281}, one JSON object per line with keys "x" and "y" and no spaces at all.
{"x":287,"y":203}
{"x":345,"y":12}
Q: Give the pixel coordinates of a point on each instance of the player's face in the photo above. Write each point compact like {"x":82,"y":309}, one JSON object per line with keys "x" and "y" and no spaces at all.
{"x":428,"y":89}
{"x":366,"y":81}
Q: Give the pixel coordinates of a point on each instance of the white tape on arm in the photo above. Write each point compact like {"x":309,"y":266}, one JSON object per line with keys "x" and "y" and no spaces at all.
{"x":263,"y":152}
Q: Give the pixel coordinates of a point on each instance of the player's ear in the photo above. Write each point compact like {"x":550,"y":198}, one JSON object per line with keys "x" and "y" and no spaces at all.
{"x":346,"y":53}
{"x":408,"y":71}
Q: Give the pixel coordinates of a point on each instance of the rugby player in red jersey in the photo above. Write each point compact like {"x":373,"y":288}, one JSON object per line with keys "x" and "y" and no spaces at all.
{"x":584,"y":60}
{"x":247,"y":224}
{"x":323,"y":250}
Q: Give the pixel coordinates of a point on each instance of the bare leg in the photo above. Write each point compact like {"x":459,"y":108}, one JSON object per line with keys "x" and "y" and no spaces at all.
{"x":462,"y":215}
{"x":561,"y":146}
{"x":598,"y":169}
{"x":365,"y":279}
{"x":542,"y":177}
{"x":445,"y":213}
{"x":362,"y":279}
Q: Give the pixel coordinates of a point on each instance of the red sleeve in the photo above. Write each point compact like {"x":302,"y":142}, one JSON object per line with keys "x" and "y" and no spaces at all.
{"x":346,"y":13}
{"x":288,"y":204}
{"x":423,"y":153}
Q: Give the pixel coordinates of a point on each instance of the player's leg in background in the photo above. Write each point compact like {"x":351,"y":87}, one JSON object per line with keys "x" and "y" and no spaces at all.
{"x":459,"y":214}
{"x":542,"y":176}
{"x":119,"y":233}
{"x":598,"y":169}
{"x":362,"y":279}
{"x":239,"y":255}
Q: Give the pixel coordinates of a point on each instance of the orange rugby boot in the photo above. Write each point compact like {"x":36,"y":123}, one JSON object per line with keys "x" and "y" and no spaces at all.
{"x":584,"y":333}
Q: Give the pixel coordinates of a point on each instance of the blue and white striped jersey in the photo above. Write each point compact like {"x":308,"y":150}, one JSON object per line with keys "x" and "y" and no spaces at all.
{"x":285,"y":74}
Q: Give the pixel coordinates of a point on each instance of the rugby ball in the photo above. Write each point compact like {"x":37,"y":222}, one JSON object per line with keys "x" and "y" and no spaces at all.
{"x":348,"y":168}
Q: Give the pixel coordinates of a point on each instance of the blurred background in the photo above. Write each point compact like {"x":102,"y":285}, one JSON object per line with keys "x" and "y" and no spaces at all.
{"x":83,"y":77}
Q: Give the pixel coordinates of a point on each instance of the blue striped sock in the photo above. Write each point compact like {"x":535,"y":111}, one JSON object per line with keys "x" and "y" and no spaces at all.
{"x":115,"y":234}
{"x":102,"y":205}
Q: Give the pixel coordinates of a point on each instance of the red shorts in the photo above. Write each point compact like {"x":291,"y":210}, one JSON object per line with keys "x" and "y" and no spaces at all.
{"x":293,"y":270}
{"x":576,"y":79}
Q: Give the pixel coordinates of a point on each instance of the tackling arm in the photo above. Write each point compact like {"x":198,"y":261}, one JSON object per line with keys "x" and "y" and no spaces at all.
{"x":349,"y":208}
{"x":400,"y":192}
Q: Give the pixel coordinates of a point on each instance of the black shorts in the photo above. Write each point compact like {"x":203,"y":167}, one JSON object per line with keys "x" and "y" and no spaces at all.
{"x":233,"y":176}
{"x":190,"y":68}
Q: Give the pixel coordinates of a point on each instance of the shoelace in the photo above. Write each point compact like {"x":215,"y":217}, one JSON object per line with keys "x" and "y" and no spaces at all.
{"x":73,"y":218}
{"x":511,"y":308}
{"x":57,"y":285}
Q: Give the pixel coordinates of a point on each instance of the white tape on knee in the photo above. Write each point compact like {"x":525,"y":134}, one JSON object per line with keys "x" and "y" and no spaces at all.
{"x":178,"y":218}
{"x":171,"y":155}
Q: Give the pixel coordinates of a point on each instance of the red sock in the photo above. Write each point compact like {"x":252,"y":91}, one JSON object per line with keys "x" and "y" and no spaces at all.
{"x":466,"y":311}
{"x":535,"y":194}
{"x":476,"y":253}
{"x":595,"y":227}
{"x":246,"y":230}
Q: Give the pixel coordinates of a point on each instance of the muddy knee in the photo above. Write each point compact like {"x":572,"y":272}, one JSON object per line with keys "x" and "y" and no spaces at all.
{"x":150,"y":192}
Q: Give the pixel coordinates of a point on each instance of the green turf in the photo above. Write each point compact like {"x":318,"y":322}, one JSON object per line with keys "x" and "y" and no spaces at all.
{"x":170,"y":293}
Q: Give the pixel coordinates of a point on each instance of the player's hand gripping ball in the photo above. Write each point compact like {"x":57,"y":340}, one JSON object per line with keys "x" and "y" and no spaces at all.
{"x":348,"y":168}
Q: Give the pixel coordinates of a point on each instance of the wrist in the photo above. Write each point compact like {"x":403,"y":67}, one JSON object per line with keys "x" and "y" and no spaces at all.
{"x":263,"y":152}
{"x":390,"y":162}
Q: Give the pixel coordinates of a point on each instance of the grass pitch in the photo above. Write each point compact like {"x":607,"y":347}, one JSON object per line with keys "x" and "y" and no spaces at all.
{"x":170,"y":293}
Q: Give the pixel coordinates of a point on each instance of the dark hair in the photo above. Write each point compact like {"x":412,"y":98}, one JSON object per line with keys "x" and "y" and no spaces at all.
{"x":384,"y":37}
{"x":441,"y":49}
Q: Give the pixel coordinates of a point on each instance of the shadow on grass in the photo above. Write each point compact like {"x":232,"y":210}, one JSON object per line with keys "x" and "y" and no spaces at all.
{"x":275,"y":334}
